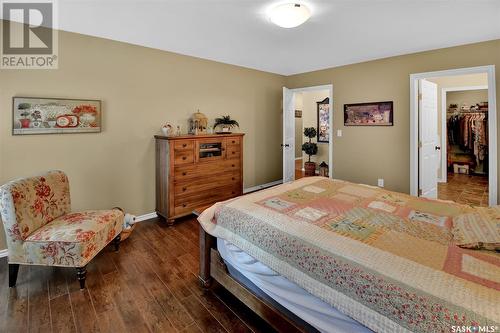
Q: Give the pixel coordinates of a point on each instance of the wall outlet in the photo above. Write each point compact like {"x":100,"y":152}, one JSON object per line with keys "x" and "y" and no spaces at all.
{"x":380,"y":182}
{"x":339,"y":133}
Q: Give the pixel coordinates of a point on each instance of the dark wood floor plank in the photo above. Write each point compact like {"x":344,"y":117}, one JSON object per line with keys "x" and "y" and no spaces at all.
{"x":99,"y":291}
{"x":16,"y":313}
{"x":218,"y":309}
{"x":57,"y":284}
{"x":193,"y":328}
{"x":4,"y":290}
{"x":39,"y":307}
{"x":111,"y":322}
{"x":150,"y":285}
{"x":148,"y":271}
{"x":84,"y":312}
{"x":126,"y":305}
{"x":139,"y":276}
{"x":62,"y":315}
{"x":202,"y":317}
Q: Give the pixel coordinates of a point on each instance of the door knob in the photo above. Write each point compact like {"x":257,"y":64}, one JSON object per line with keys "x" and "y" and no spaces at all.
{"x":437,"y":148}
{"x":285,"y":145}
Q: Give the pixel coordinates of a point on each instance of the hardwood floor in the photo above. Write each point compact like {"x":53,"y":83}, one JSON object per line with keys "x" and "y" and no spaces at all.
{"x":465,"y":189}
{"x":299,"y":173}
{"x":150,"y":285}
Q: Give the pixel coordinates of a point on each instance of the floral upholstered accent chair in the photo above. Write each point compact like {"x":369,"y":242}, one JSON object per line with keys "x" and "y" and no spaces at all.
{"x":42,"y":230}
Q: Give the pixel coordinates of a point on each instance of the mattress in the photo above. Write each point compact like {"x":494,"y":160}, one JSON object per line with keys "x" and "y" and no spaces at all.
{"x":295,"y":299}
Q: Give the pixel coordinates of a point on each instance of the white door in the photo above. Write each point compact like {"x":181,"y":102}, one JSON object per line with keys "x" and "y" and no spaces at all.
{"x":288,"y":135}
{"x":428,"y":139}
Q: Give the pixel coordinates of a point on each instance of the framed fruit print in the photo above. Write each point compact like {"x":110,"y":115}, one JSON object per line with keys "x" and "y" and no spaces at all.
{"x":34,"y":115}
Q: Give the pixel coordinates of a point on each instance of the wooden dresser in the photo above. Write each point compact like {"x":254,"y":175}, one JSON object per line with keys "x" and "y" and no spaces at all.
{"x":195,"y":171}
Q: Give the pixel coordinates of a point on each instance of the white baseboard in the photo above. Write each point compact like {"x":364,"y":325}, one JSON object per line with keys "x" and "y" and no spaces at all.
{"x":4,"y":253}
{"x":263,"y":186}
{"x":145,"y":217}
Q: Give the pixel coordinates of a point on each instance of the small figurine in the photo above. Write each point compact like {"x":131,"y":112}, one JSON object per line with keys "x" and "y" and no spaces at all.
{"x":167,"y":129}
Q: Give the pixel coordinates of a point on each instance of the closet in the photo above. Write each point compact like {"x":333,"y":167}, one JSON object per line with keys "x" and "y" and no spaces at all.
{"x":467,"y":132}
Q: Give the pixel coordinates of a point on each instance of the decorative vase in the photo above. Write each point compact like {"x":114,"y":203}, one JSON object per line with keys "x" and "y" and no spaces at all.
{"x":51,"y":123}
{"x":36,"y":123}
{"x":310,"y":169}
{"x":25,"y":123}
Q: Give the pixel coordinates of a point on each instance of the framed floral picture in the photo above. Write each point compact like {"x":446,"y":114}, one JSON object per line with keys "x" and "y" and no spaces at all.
{"x":33,"y":115}
{"x":324,"y":120}
{"x":369,"y":114}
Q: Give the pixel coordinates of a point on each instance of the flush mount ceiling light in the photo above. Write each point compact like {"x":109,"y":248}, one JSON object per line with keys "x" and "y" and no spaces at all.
{"x":289,"y":15}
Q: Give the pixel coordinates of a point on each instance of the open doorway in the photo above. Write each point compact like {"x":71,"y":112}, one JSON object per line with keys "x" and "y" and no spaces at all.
{"x":309,"y":107}
{"x":454,"y":136}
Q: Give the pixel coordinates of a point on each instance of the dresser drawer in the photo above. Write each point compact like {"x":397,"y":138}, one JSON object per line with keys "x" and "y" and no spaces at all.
{"x":233,"y":152}
{"x":184,"y":145}
{"x":187,"y":187}
{"x":183,"y":157}
{"x":233,"y":141}
{"x":188,"y":204}
{"x":205,"y":169}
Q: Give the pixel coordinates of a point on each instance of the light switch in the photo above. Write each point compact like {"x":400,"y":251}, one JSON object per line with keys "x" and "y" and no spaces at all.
{"x":339,"y":133}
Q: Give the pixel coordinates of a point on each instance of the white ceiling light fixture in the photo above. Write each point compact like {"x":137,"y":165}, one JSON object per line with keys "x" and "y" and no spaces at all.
{"x":289,"y":15}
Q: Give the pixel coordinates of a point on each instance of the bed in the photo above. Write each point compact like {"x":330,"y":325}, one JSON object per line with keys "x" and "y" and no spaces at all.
{"x":332,"y":256}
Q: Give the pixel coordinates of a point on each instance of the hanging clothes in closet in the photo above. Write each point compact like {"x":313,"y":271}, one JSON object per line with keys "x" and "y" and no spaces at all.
{"x":469,"y":130}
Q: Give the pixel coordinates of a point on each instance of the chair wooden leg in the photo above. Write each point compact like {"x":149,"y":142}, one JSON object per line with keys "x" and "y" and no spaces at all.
{"x":81,"y":274}
{"x":13,"y":270}
{"x":116,"y":242}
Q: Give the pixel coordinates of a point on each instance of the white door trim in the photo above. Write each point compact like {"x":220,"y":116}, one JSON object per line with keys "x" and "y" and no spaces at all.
{"x":443,"y":178}
{"x":492,"y":124}
{"x":328,"y":87}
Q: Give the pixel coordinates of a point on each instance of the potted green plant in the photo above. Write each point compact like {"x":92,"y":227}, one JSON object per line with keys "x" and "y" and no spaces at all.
{"x":310,"y":148}
{"x":226,"y":123}
{"x":25,"y":121}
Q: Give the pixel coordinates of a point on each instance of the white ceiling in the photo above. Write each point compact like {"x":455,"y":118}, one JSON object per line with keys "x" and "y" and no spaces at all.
{"x":238,"y":31}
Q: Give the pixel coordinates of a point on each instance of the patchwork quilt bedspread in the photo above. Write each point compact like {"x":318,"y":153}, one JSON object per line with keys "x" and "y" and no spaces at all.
{"x":386,"y":259}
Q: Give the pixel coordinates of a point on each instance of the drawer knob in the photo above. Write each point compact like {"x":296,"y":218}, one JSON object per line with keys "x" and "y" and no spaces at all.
{"x":233,"y":141}
{"x":233,"y":152}
{"x":233,"y":192}
{"x":184,"y":145}
{"x":232,"y":165}
{"x":234,"y":178}
{"x":184,"y":158}
{"x":184,"y":205}
{"x":184,"y":173}
{"x":184,"y":189}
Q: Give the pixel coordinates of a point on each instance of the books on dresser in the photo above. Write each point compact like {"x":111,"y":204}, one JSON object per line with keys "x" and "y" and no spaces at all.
{"x":194,"y":172}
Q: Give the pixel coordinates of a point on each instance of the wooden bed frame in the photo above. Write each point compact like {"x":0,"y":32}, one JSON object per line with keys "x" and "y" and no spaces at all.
{"x":212,"y":267}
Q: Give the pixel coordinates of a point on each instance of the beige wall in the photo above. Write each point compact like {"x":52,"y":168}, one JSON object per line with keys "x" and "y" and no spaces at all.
{"x":454,"y":82}
{"x":140,"y":88}
{"x":364,"y":154}
{"x":468,"y":97}
{"x":310,"y":119}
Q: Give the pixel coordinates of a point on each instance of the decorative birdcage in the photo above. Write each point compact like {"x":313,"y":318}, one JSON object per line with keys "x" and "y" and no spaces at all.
{"x":198,"y":123}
